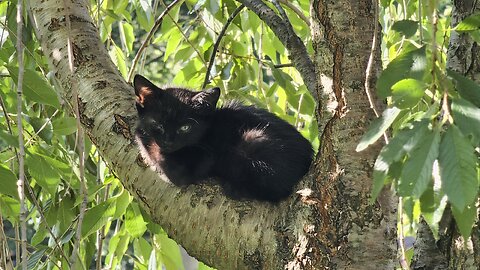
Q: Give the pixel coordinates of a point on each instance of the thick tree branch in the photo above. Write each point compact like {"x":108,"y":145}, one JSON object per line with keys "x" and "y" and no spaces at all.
{"x":224,"y":233}
{"x":285,"y":33}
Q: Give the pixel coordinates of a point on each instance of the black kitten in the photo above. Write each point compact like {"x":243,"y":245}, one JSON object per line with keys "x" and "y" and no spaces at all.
{"x":253,"y":153}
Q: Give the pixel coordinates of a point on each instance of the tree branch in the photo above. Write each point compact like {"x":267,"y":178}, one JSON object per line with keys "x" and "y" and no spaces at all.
{"x":217,"y":43}
{"x":157,"y":24}
{"x":225,"y":233}
{"x":285,"y":33}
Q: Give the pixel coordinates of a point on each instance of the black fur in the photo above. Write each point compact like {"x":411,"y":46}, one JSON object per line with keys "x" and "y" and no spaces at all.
{"x":251,"y":152}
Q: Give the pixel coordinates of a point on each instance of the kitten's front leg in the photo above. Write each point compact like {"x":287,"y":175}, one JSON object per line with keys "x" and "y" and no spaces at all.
{"x":188,"y":166}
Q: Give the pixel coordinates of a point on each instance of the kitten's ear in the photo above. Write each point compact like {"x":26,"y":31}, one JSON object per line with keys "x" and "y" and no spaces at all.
{"x":144,"y":89}
{"x":208,"y":97}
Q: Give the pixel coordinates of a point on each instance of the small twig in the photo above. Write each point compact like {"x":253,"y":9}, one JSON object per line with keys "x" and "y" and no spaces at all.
{"x":42,"y":127}
{"x":21,"y":156}
{"x":401,"y":236}
{"x":284,"y":31}
{"x":283,"y":65}
{"x":370,"y":64}
{"x":157,"y":24}
{"x":296,"y":10}
{"x":217,"y":43}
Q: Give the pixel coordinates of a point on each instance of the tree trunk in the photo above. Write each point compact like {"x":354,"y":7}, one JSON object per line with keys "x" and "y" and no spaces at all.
{"x":359,"y":235}
{"x":330,"y":223}
{"x":452,"y":250}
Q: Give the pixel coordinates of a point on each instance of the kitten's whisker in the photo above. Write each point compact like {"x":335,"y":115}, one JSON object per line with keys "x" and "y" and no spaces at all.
{"x":189,"y":118}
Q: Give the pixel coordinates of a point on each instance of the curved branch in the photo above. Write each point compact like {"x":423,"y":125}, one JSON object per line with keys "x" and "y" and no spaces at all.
{"x":296,"y":10}
{"x":285,"y":33}
{"x":221,"y":232}
{"x":217,"y":43}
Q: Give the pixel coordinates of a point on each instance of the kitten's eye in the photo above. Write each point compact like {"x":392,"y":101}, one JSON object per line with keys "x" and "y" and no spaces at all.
{"x":184,"y":128}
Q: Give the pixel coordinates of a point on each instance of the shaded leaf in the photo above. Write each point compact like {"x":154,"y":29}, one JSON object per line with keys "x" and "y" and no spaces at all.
{"x":8,"y":182}
{"x":64,"y":125}
{"x":43,"y":127}
{"x":465,"y":219}
{"x":378,"y":127}
{"x":457,"y":168}
{"x":405,"y":140}
{"x":467,"y":88}
{"x":417,"y":170}
{"x":35,"y":87}
{"x":467,"y":118}
{"x":43,"y":172}
{"x":407,"y":27}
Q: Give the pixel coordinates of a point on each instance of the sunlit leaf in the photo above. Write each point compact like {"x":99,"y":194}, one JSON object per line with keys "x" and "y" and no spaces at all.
{"x":470,"y":23}
{"x":407,"y":93}
{"x":411,"y":64}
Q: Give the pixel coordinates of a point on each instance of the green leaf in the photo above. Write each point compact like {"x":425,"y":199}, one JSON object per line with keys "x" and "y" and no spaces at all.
{"x":134,"y":222}
{"x":170,"y":252}
{"x":64,"y":125}
{"x":129,"y":35}
{"x":45,"y":125}
{"x":172,"y":43}
{"x":121,"y":203}
{"x":467,"y":88}
{"x":118,"y":58}
{"x":8,"y":182}
{"x":43,"y":172}
{"x":9,"y":139}
{"x":467,"y":117}
{"x":407,"y":93}
{"x":470,"y":23}
{"x":378,"y":127}
{"x":407,"y":27}
{"x":401,"y":143}
{"x":417,"y":170}
{"x":35,"y":87}
{"x":457,"y":169}
{"x":411,"y":64}
{"x":465,"y":219}
{"x":96,"y":217}
{"x":10,"y":207}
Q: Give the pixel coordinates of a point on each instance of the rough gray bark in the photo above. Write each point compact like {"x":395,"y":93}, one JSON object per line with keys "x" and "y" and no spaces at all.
{"x":363,"y":235}
{"x":329,"y":223}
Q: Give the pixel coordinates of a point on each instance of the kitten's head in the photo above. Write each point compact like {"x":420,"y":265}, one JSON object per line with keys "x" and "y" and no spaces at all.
{"x":173,"y":117}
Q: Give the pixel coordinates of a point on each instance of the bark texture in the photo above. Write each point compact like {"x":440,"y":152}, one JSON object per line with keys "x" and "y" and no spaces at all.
{"x":328,"y":223}
{"x":356,"y":234}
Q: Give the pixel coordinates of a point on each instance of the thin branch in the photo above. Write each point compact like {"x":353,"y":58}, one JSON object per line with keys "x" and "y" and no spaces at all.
{"x":296,"y":10}
{"x":217,"y":43}
{"x":285,"y":33}
{"x":157,"y":24}
{"x":21,"y":156}
{"x":80,"y":142}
